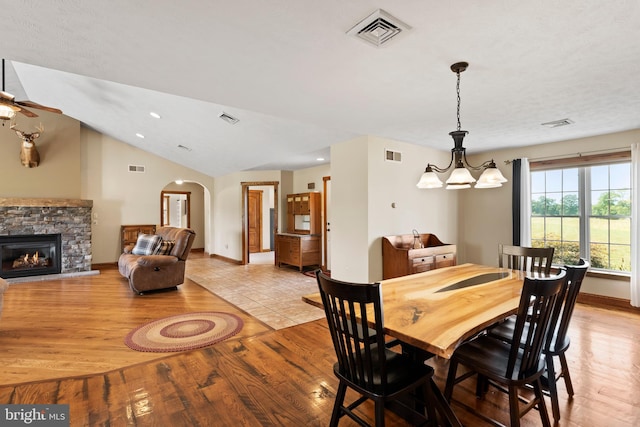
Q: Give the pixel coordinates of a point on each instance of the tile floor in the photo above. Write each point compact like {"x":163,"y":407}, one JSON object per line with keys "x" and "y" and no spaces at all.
{"x":271,"y":294}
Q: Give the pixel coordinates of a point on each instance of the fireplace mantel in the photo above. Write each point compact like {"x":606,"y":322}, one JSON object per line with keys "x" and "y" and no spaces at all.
{"x":35,"y":203}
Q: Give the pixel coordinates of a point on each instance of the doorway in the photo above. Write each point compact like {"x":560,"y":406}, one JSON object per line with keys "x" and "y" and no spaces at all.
{"x":254,"y":208}
{"x":175,"y":209}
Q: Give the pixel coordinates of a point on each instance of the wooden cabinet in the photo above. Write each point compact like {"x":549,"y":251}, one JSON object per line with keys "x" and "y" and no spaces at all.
{"x":129,"y":233}
{"x":399,"y":258}
{"x":298,"y":249}
{"x":303,"y":213}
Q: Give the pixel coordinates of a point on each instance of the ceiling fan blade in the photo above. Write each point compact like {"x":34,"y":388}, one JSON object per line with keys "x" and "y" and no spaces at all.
{"x":27,"y":112}
{"x":31,"y":104}
{"x":6,"y":96}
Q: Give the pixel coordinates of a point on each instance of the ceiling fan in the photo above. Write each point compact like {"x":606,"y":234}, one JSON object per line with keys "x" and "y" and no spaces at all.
{"x":9,"y":106}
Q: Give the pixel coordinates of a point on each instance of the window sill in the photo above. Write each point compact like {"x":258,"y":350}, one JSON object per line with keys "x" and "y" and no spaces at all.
{"x":622,"y":277}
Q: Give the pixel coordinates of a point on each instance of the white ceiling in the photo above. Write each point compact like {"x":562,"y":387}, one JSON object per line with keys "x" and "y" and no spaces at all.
{"x":298,"y":83}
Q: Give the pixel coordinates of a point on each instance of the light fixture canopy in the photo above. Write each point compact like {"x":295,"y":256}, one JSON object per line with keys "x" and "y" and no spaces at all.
{"x":461,"y":175}
{"x":6,"y":112}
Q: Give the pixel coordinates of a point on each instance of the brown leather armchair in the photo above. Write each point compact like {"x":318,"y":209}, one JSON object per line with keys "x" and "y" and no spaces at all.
{"x":153,"y":272}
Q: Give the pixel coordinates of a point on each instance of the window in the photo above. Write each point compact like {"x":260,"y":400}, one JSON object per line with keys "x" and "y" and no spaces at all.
{"x":584,"y":211}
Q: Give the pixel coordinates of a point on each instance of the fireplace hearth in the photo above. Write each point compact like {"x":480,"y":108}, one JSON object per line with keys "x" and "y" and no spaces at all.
{"x":30,"y":255}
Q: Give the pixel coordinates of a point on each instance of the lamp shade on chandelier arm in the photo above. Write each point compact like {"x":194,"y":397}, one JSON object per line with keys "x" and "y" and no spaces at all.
{"x":461,"y":177}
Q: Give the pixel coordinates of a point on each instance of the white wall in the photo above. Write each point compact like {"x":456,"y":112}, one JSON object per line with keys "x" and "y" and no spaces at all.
{"x":364,"y":187}
{"x":303,"y":177}
{"x":227,"y":210}
{"x":123,"y":197}
{"x":485,"y":215}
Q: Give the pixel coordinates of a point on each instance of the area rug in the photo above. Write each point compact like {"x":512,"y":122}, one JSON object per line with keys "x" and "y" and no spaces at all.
{"x":183,"y":332}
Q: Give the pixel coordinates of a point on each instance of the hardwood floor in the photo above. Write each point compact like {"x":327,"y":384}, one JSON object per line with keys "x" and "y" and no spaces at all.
{"x":61,"y":342}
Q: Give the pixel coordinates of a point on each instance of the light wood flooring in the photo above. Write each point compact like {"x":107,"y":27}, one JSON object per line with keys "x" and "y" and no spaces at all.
{"x":61,"y":342}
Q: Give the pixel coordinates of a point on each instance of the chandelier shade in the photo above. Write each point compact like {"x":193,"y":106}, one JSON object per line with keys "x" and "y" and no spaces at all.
{"x":461,"y":176}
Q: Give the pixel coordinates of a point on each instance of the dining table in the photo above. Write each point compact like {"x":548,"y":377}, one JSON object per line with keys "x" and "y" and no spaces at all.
{"x":438,"y":310}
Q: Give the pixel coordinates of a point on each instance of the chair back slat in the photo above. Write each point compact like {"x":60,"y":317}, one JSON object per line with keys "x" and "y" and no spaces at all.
{"x":533,"y":260}
{"x":535,"y":311}
{"x":564,"y":309}
{"x":352,"y":311}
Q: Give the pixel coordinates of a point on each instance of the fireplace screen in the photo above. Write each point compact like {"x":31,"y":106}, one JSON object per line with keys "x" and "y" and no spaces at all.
{"x":30,"y":255}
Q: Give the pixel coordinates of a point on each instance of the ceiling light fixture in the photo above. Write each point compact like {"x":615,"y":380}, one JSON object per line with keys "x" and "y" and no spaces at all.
{"x":139,"y":135}
{"x":154,"y":115}
{"x":461,"y":176}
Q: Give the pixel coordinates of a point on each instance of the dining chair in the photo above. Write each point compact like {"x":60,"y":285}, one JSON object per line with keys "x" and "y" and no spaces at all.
{"x":532,"y":260}
{"x":516,"y":364}
{"x":558,"y":340}
{"x":365,"y":363}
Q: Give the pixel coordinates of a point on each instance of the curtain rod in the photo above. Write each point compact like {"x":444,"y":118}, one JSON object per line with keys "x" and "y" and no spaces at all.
{"x":578,"y":154}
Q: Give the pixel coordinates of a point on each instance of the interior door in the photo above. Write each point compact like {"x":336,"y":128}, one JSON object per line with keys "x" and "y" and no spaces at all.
{"x":254,"y":209}
{"x":327,"y":222}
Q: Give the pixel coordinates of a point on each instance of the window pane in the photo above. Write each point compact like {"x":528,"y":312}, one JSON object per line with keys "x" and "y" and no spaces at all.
{"x":553,"y":180}
{"x":571,"y":229}
{"x":620,"y":176}
{"x":570,"y":204}
{"x":599,"y":255}
{"x":620,"y":203}
{"x":620,"y":231}
{"x":537,"y":228}
{"x":599,"y":230}
{"x":570,"y":179}
{"x":600,"y":203}
{"x":553,"y":229}
{"x":537,"y":182}
{"x":554,"y":204}
{"x":600,"y":177}
{"x":620,"y":258}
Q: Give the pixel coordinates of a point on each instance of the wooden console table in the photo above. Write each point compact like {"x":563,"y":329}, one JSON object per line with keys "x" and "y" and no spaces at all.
{"x":399,"y":258}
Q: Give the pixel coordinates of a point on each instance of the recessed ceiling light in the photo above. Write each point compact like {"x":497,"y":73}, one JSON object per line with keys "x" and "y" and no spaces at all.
{"x":320,"y":159}
{"x":179,"y":181}
{"x":139,"y":135}
{"x":154,"y":115}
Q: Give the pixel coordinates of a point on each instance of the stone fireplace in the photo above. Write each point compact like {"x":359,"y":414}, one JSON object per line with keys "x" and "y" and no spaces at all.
{"x":68,"y":218}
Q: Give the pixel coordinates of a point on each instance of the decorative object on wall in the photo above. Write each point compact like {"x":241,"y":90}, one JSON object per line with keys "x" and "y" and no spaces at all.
{"x":9,"y":106}
{"x":29,"y":156}
{"x":461,"y":176}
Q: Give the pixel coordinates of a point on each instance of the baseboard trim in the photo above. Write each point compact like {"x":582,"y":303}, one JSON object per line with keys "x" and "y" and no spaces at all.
{"x":607,"y":302}
{"x":224,"y":258}
{"x":104,"y":266}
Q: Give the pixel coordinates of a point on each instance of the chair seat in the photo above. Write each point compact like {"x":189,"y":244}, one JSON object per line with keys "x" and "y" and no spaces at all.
{"x":401,"y":373}
{"x":490,"y":356}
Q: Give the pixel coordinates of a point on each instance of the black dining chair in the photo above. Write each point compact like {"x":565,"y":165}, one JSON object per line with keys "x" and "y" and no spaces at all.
{"x":367,"y":365}
{"x":531,"y":260}
{"x":558,"y":341}
{"x":519,"y":363}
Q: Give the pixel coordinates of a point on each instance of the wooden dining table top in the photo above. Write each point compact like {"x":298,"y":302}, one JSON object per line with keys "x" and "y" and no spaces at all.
{"x":438,"y":309}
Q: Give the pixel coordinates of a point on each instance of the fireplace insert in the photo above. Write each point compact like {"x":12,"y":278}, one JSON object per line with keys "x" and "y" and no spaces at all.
{"x":30,"y":255}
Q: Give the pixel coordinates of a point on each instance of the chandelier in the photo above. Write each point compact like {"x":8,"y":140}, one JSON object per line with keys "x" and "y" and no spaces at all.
{"x":461,"y":176}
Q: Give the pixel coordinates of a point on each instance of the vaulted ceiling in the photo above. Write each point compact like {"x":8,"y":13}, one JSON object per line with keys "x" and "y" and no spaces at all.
{"x":298,"y":83}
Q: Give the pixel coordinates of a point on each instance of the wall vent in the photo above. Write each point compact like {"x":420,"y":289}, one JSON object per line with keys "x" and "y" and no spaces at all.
{"x":228,"y":118}
{"x":558,"y":123}
{"x":378,"y":28}
{"x":392,"y":156}
{"x":136,"y":168}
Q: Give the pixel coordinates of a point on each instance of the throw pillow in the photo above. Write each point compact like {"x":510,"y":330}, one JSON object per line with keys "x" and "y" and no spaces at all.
{"x":146,"y":244}
{"x":165,"y":247}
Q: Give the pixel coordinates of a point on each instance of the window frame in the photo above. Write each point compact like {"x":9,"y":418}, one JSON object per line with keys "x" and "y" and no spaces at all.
{"x":582,"y":163}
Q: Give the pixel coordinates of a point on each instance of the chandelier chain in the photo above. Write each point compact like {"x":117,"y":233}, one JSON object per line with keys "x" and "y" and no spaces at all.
{"x":458,"y":99}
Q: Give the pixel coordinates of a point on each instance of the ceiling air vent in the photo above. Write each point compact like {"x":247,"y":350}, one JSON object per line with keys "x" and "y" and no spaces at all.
{"x":558,"y":123}
{"x":392,"y":156}
{"x":378,"y":28}
{"x":228,"y":118}
{"x":136,"y":168}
